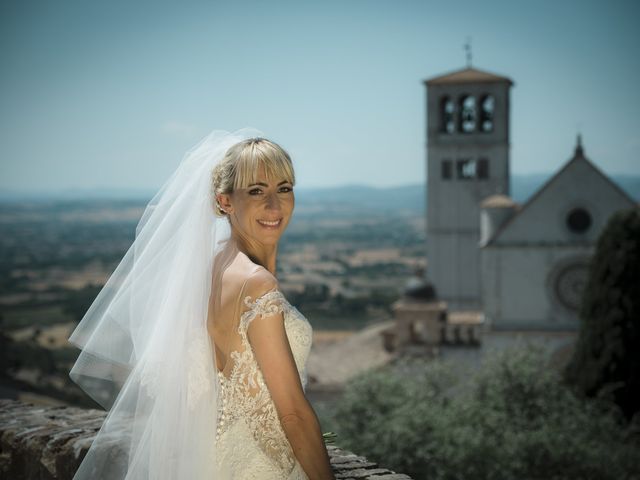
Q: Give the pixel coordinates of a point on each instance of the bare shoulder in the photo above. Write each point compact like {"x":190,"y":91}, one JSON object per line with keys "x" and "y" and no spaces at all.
{"x":258,"y":280}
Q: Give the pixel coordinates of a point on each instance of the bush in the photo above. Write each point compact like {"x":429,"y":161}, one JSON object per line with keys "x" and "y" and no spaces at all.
{"x":513,"y":419}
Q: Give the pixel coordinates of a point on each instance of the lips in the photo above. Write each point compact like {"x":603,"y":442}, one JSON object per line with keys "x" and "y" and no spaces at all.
{"x":270,"y":223}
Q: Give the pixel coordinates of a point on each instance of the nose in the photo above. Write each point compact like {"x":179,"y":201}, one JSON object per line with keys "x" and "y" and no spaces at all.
{"x":272,"y":201}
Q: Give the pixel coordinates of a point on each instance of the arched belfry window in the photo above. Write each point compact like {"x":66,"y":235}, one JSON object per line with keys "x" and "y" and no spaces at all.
{"x":487,"y":109}
{"x":468,"y":114}
{"x":447,"y":110}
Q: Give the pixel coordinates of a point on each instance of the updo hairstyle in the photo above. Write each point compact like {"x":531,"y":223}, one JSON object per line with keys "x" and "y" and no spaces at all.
{"x":239,"y":167}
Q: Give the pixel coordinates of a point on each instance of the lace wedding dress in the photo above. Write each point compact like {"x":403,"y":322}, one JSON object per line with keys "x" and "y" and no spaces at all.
{"x":250,"y":440}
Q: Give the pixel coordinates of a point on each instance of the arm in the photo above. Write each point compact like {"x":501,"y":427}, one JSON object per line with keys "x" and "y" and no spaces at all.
{"x":270,"y":344}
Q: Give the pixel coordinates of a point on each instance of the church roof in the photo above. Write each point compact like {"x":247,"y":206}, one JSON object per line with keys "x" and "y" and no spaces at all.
{"x":467,"y":75}
{"x":578,"y":156}
{"x":498,"y":201}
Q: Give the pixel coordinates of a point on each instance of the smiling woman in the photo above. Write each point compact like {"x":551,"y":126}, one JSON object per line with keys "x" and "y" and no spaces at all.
{"x":253,"y":186}
{"x":192,"y":346}
{"x":262,"y":368}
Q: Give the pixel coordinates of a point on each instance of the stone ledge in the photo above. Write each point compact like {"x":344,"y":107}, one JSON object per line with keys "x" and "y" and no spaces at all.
{"x":346,"y":465}
{"x":48,"y":443}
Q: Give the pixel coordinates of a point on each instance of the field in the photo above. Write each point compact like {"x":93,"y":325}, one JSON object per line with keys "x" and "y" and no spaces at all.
{"x":341,"y":265}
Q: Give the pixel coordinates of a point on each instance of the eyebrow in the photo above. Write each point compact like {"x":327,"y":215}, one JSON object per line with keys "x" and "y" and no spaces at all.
{"x":265,"y":185}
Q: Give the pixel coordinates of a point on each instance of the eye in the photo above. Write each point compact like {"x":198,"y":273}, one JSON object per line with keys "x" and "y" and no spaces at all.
{"x":255,"y":191}
{"x":286,"y":189}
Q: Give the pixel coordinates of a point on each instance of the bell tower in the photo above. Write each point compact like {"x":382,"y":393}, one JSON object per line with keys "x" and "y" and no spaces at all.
{"x":467,"y":160}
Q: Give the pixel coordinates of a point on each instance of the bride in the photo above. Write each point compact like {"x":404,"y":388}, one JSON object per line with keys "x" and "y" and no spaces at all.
{"x":191,"y":346}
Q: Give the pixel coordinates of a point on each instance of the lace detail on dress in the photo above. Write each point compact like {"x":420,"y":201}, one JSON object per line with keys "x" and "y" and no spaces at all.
{"x":245,"y":396}
{"x":268,"y":304}
{"x":300,"y":336}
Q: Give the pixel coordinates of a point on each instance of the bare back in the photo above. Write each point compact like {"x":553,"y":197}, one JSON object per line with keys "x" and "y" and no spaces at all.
{"x":230,"y":278}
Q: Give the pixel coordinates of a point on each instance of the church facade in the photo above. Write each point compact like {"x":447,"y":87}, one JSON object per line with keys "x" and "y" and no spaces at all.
{"x":534,"y":258}
{"x":523,"y":266}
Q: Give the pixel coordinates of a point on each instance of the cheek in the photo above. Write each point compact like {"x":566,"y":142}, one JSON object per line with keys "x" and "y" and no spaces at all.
{"x":243,"y":210}
{"x":254,"y":208}
{"x":286,"y":206}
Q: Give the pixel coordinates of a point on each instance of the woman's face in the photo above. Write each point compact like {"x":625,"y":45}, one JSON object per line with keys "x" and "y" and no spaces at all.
{"x":261,"y":212}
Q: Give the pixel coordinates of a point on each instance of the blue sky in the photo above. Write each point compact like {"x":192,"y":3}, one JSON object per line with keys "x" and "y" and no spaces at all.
{"x":111,"y":94}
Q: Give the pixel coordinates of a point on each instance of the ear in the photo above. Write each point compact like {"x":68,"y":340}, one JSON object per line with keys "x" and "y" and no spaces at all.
{"x":224,"y":200}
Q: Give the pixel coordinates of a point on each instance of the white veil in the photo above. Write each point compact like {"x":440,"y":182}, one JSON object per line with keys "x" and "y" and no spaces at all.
{"x":146,"y":353}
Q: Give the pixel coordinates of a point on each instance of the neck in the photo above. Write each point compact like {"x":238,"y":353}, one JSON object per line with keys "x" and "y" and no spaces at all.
{"x":264,"y":255}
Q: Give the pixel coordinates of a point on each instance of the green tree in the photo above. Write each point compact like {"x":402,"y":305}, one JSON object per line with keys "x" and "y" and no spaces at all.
{"x":606,"y":360}
{"x":513,"y":419}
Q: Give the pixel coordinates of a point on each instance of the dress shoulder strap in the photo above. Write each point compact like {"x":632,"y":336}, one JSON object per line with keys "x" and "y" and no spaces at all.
{"x":269,"y":303}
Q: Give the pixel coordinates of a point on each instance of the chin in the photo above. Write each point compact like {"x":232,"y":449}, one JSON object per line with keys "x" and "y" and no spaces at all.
{"x":270,"y":239}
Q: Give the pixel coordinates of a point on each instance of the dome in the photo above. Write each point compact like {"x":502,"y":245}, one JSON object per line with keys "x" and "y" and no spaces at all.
{"x":419,"y":288}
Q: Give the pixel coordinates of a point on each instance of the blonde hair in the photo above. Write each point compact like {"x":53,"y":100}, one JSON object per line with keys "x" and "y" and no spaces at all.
{"x":239,"y":167}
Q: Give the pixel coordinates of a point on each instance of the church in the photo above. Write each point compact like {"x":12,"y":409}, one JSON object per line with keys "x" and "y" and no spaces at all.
{"x":497,"y":272}
{"x":522,"y":266}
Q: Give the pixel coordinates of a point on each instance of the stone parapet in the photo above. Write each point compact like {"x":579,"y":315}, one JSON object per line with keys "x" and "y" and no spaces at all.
{"x":49,"y":442}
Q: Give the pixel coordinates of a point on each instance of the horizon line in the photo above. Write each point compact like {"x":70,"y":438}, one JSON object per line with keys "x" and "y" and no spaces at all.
{"x":124,"y":192}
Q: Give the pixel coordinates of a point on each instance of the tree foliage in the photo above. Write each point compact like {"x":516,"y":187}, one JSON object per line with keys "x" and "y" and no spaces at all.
{"x":606,"y":361}
{"x":513,"y":419}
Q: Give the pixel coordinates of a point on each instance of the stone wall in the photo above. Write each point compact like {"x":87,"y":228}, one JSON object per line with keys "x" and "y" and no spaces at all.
{"x":44,"y":443}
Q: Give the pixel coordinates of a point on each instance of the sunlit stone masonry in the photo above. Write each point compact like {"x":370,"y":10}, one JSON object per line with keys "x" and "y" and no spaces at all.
{"x":38,"y":442}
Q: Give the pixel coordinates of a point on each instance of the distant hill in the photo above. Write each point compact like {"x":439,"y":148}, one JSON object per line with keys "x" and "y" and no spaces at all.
{"x":348,"y":199}
{"x":412,"y":198}
{"x":356,"y":198}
